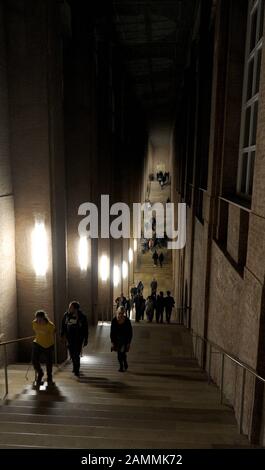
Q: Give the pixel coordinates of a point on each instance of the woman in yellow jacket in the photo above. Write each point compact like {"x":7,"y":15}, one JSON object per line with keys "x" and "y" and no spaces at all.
{"x":43,"y":345}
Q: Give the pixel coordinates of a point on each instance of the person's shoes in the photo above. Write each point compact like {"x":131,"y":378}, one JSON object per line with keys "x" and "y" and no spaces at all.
{"x":121,"y":369}
{"x":39,"y":378}
{"x":125,"y":365}
{"x":50,"y":382}
{"x":77,"y":374}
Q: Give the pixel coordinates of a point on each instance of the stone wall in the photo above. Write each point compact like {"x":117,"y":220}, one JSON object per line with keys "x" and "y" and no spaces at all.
{"x":8,"y":300}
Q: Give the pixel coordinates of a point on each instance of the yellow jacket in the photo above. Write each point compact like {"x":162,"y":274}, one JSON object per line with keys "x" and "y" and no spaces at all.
{"x":44,"y":333}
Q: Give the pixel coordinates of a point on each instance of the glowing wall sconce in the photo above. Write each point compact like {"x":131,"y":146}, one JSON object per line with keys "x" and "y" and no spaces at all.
{"x":134,"y":244}
{"x":130,"y":255}
{"x":124,"y":270}
{"x":116,"y":276}
{"x":39,"y":245}
{"x":104,"y":268}
{"x":83,"y":253}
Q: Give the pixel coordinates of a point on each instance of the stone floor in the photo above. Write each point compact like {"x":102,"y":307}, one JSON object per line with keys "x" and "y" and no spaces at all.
{"x":162,"y":402}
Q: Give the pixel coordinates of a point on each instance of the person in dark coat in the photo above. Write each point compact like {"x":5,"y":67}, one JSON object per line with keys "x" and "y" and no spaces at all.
{"x":121,"y":337}
{"x":139,"y":302}
{"x":169,"y":304}
{"x":155,"y":258}
{"x":160,"y":305}
{"x":75,"y":330}
{"x":121,"y":301}
{"x":161,"y":259}
{"x":153,"y":286}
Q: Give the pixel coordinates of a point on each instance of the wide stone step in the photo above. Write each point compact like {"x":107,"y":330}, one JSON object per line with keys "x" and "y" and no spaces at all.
{"x":162,"y":401}
{"x":59,"y":415}
{"x":105,"y":429}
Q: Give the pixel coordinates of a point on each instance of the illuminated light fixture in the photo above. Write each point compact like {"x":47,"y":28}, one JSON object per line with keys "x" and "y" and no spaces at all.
{"x":130,"y":255}
{"x":124,"y":270}
{"x":104,"y":268}
{"x":116,"y":275}
{"x":134,"y":244}
{"x":83,"y":253}
{"x":39,"y":249}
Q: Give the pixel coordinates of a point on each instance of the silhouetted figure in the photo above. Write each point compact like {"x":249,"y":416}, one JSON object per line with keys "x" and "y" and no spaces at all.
{"x":161,"y":259}
{"x":121,"y":301}
{"x":140,"y":288}
{"x":133,"y":291}
{"x":160,"y":305}
{"x":153,"y":286}
{"x":139,"y":307}
{"x":169,"y":304}
{"x":121,"y":337}
{"x":75,"y":330}
{"x":150,"y":306}
{"x":155,"y":258}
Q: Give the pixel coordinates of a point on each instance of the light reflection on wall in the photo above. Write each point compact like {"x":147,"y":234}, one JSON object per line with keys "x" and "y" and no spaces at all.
{"x":104,"y":268}
{"x":83,"y":253}
{"x":39,"y":248}
{"x":124,"y":269}
{"x":116,"y":276}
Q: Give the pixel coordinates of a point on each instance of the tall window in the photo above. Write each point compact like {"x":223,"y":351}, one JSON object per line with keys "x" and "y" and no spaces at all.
{"x":250,"y":98}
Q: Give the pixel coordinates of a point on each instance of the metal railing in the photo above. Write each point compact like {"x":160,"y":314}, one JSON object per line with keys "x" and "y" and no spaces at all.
{"x":4,"y":344}
{"x":215,"y":349}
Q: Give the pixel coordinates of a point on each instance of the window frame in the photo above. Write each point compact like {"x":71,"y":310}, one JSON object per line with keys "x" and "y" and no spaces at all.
{"x":255,"y":54}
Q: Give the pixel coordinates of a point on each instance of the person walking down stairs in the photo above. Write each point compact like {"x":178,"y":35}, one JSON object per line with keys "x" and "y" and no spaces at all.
{"x":43,"y":345}
{"x":75,"y":330}
{"x":121,"y":337}
{"x":161,"y":259}
{"x":169,"y":304}
{"x":153,"y":286}
{"x":155,"y":258}
{"x":160,"y":305}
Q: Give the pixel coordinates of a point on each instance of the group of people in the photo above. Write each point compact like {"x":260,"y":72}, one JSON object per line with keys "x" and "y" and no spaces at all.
{"x":151,"y":244}
{"x":162,"y":178}
{"x":154,"y":305}
{"x":74,"y":331}
{"x":158,"y":257}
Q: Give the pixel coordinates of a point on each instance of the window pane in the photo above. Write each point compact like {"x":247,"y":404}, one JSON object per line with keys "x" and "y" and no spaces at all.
{"x":261,"y":19}
{"x":255,"y":120}
{"x":251,"y":172}
{"x":243,"y":187}
{"x":250,"y":79}
{"x":247,"y":127}
{"x":253,"y":29}
{"x":258,"y":65}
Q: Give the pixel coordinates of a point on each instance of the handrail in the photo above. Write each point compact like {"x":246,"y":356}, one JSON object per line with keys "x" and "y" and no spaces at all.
{"x":3,"y":343}
{"x":234,"y":359}
{"x":18,"y":340}
{"x":230,"y":356}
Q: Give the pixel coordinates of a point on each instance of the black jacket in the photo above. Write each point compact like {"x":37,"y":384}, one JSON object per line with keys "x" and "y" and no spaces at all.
{"x":121,"y":333}
{"x":75,"y":330}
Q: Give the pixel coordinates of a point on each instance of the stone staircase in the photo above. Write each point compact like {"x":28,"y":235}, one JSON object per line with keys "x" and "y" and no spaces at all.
{"x":145,"y":271}
{"x":162,"y":402}
{"x":144,"y":267}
